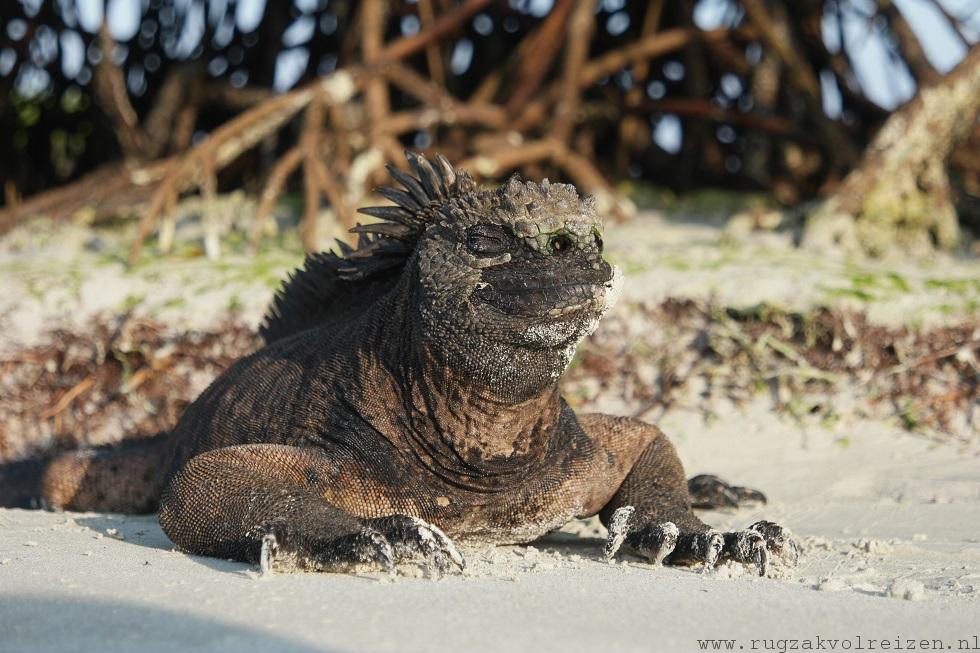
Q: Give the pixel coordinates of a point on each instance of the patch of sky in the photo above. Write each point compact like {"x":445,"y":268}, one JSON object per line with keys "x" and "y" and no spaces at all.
{"x":409,"y":25}
{"x":248,"y":14}
{"x":483,"y":24}
{"x":618,"y":23}
{"x":123,"y":18}
{"x":462,"y":56}
{"x":667,"y":133}
{"x":710,"y":14}
{"x":299,"y":32}
{"x":290,"y":65}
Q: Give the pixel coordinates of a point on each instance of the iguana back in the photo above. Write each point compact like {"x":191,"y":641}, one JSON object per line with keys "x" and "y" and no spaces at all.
{"x":316,"y":294}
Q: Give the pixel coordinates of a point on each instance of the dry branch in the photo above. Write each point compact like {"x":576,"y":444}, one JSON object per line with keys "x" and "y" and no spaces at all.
{"x":581,"y":26}
{"x":376,"y":93}
{"x":695,"y":108}
{"x":775,"y":34}
{"x":111,"y":89}
{"x":540,"y":51}
{"x":408,"y":46}
{"x":433,"y":53}
{"x":234,"y":137}
{"x":908,"y":43}
{"x":954,"y":23}
{"x":273,"y":188}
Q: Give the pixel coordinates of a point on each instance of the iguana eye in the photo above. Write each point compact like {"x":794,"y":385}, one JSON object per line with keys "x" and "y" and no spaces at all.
{"x":560,"y":244}
{"x":487,"y":239}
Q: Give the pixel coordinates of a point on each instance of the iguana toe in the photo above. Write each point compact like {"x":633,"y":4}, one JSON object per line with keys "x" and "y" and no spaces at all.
{"x":270,"y":547}
{"x":372,"y":546}
{"x":760,"y":543}
{"x":618,"y":529}
{"x":369,"y":546}
{"x":655,"y":541}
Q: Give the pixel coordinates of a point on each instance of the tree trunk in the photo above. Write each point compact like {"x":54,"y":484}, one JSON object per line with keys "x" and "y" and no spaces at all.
{"x":898,"y":199}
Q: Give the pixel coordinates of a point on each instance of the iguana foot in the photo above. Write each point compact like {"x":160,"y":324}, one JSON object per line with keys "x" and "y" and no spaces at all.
{"x":759,"y":543}
{"x":710,"y":492}
{"x":664,"y":542}
{"x":653,"y":541}
{"x":413,"y":538}
{"x":698,"y":548}
{"x":661,"y":541}
{"x":381,"y":542}
{"x":366,"y":547}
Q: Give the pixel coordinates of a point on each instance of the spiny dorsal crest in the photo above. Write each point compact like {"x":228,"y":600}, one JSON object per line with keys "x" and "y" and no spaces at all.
{"x":385,"y":244}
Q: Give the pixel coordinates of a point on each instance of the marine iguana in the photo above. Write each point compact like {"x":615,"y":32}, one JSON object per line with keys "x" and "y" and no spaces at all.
{"x":408,"y":394}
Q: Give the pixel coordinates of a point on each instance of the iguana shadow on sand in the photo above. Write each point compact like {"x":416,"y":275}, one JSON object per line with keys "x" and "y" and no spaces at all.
{"x":408,"y":394}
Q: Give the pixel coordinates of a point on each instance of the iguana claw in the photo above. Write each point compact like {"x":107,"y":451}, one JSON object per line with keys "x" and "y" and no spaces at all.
{"x":618,"y":530}
{"x":270,"y":546}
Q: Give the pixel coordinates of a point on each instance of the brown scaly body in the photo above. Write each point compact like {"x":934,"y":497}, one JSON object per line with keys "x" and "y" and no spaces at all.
{"x":408,"y":394}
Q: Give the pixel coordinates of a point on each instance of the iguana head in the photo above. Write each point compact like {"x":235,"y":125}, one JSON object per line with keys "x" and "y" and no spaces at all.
{"x":507,"y":281}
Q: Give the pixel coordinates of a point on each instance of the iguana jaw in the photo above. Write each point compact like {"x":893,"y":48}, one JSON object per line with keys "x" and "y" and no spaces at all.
{"x":544,"y":301}
{"x":553,"y":292}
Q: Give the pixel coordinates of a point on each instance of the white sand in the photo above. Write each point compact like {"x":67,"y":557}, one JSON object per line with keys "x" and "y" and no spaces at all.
{"x":891,"y":521}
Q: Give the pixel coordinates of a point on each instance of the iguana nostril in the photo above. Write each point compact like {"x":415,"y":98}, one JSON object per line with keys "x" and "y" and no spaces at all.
{"x":560,"y":244}
{"x":598,"y":243}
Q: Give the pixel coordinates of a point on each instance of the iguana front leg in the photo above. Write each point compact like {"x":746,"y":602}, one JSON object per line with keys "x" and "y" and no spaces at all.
{"x":651,"y":511}
{"x":265,"y":503}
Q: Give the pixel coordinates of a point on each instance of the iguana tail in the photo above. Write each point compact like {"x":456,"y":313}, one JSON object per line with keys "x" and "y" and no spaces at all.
{"x":122,"y":478}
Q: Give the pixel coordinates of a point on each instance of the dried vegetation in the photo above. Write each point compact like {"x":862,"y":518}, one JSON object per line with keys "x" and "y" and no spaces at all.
{"x":130,"y":378}
{"x":125,"y":377}
{"x":819,"y":366}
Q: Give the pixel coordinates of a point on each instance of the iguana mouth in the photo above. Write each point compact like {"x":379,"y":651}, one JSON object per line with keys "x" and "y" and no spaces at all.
{"x":544,"y":295}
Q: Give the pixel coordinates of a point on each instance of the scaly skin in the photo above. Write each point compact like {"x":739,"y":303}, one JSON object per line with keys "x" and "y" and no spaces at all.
{"x":408,"y":397}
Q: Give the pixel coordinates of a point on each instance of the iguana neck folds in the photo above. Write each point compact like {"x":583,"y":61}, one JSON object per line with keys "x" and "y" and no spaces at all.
{"x":456,"y":425}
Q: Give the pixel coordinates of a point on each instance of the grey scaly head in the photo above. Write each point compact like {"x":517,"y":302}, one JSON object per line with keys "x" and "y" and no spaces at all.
{"x":509,"y":280}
